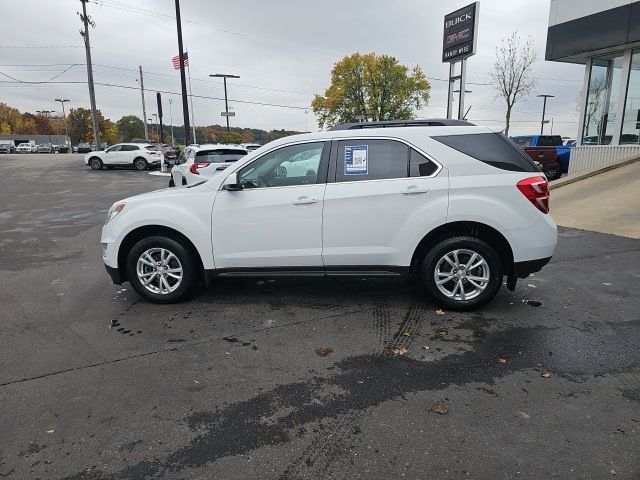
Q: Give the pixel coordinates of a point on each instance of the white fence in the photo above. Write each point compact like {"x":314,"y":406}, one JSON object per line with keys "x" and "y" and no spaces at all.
{"x":584,"y":159}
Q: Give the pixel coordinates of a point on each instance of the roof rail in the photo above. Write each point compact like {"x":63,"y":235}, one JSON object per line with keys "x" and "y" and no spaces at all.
{"x":427,"y":122}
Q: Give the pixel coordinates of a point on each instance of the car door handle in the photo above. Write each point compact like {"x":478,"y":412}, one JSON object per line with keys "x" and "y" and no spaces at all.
{"x":304,"y":200}
{"x":413,"y":190}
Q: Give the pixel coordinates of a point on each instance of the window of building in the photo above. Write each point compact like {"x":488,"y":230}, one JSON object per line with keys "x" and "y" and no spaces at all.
{"x":602,"y":99}
{"x":631,"y":120}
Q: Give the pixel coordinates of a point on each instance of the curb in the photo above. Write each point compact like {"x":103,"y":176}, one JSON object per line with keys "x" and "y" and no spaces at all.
{"x":591,"y":173}
{"x":159,"y":174}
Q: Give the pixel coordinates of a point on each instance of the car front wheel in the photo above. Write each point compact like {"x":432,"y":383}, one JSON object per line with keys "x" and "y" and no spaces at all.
{"x":462,"y":273}
{"x":95,"y":163}
{"x":161,"y":270}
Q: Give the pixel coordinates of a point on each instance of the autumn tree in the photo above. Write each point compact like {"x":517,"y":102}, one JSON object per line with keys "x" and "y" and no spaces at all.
{"x":130,"y":127}
{"x":26,"y":126}
{"x":9,"y":115}
{"x":80,"y":126}
{"x":512,"y":74}
{"x":5,"y":128}
{"x":371,"y":87}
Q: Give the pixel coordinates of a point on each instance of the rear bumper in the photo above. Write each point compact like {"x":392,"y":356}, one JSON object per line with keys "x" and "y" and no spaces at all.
{"x":114,"y":274}
{"x":524,"y":269}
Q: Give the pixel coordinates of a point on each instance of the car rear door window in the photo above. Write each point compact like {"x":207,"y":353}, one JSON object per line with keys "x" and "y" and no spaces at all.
{"x":364,"y":159}
{"x":421,"y":166}
{"x":491,"y":148}
{"x":129,"y":148}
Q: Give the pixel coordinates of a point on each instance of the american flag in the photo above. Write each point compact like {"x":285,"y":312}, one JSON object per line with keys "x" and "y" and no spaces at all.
{"x":176,"y":60}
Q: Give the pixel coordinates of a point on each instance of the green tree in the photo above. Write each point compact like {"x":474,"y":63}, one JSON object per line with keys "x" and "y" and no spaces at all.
{"x":80,"y":129}
{"x":231,"y":137}
{"x":371,"y":87}
{"x":130,"y":127}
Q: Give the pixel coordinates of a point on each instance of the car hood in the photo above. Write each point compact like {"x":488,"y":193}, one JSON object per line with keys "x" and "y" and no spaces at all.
{"x":164,"y":193}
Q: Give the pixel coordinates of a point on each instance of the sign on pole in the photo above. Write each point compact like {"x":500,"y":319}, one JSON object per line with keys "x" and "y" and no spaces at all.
{"x":228,"y":114}
{"x":459,"y":42}
{"x":460,"y":33}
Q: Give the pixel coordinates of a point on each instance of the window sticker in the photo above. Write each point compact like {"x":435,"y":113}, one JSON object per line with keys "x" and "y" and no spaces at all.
{"x":356,"y":160}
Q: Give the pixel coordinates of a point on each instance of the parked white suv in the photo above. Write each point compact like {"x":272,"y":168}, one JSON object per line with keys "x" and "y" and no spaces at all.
{"x":141,"y":156}
{"x":201,"y":162}
{"x":459,"y":205}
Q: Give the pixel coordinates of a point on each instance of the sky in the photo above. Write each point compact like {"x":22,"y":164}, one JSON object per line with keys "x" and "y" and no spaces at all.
{"x":283,"y":51}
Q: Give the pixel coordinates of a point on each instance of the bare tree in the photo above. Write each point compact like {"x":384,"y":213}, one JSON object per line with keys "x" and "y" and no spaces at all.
{"x":512,"y":75}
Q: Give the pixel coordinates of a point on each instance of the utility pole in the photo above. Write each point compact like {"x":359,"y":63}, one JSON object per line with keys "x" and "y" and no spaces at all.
{"x":159,"y":99}
{"x":226,"y":113}
{"x":64,"y":116}
{"x":173,"y":140}
{"x":92,"y":94}
{"x":144,"y":109}
{"x":183,"y":79}
{"x":544,"y":111}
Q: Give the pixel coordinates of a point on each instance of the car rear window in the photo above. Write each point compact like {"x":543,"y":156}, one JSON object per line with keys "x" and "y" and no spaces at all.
{"x":219,"y":156}
{"x":549,"y":141}
{"x":491,"y":148}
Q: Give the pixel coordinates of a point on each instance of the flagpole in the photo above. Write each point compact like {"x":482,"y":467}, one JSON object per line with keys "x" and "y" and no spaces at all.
{"x":193,"y":122}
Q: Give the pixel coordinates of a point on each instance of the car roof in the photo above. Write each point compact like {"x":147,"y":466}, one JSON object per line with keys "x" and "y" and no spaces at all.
{"x":211,"y":146}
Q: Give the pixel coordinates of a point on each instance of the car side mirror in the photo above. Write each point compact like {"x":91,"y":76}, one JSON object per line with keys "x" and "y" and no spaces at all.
{"x":231,"y":183}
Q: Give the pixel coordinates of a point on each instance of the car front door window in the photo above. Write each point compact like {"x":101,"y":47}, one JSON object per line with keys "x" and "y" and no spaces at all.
{"x":287,"y":166}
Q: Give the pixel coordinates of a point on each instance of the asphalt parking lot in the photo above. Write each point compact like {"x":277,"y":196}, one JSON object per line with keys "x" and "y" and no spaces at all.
{"x":297,"y":379}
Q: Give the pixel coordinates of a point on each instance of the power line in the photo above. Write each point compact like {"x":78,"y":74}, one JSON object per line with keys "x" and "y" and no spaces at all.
{"x":41,"y":46}
{"x":43,"y":81}
{"x":153,"y":13}
{"x":165,"y":92}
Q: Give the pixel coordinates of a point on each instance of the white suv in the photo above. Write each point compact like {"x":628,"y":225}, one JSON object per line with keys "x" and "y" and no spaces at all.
{"x":141,"y":156}
{"x":458,"y":205}
{"x":201,"y":162}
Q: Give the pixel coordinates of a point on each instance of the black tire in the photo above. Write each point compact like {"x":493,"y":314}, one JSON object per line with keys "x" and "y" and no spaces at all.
{"x":109,"y":168}
{"x":140,"y":163}
{"x":95,"y":163}
{"x":190,"y":269}
{"x":172,"y":183}
{"x":554,"y":173}
{"x":467,"y":244}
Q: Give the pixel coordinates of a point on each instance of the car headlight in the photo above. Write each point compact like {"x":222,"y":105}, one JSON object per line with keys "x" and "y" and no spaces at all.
{"x":113,"y":211}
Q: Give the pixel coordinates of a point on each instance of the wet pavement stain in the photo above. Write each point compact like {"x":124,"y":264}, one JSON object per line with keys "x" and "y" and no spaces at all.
{"x":239,"y":428}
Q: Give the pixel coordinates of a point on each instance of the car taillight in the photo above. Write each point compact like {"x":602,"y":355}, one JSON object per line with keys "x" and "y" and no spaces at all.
{"x":195,"y":166}
{"x":536,"y":189}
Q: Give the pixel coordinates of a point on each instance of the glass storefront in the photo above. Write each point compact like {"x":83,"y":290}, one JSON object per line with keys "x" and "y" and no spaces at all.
{"x":631,"y":120}
{"x":602,"y":99}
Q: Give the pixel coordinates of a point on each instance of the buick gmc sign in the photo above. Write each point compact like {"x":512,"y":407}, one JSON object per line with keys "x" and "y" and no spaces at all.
{"x":460,"y":32}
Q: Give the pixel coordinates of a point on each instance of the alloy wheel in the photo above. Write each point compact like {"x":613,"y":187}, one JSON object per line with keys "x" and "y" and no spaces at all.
{"x":462,"y":274}
{"x":159,"y":271}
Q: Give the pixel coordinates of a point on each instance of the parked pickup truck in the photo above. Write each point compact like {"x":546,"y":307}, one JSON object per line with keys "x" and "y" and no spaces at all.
{"x":563,"y":152}
{"x":547,"y":160}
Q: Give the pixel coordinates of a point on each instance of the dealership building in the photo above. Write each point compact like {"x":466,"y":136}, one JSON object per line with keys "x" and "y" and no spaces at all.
{"x":604,"y":36}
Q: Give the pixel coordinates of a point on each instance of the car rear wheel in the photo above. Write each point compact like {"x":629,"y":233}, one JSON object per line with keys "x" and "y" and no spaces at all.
{"x":462,"y":273}
{"x":555,"y":172}
{"x":140,"y":164}
{"x":95,"y":163}
{"x":161,"y":270}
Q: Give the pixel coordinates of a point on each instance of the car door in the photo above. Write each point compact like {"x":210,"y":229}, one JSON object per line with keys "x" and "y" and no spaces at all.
{"x":383,"y":196}
{"x":274,"y":220}
{"x":113,"y":155}
{"x":128,"y":153}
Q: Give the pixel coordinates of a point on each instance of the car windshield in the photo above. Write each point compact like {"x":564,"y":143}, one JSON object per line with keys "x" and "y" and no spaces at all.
{"x":219,"y":155}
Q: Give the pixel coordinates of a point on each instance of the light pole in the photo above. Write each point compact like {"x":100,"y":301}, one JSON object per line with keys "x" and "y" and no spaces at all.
{"x":64,"y":116}
{"x":173,"y":141}
{"x":226,"y":113}
{"x":306,"y":121}
{"x":544,"y":111}
{"x":155,"y":117}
